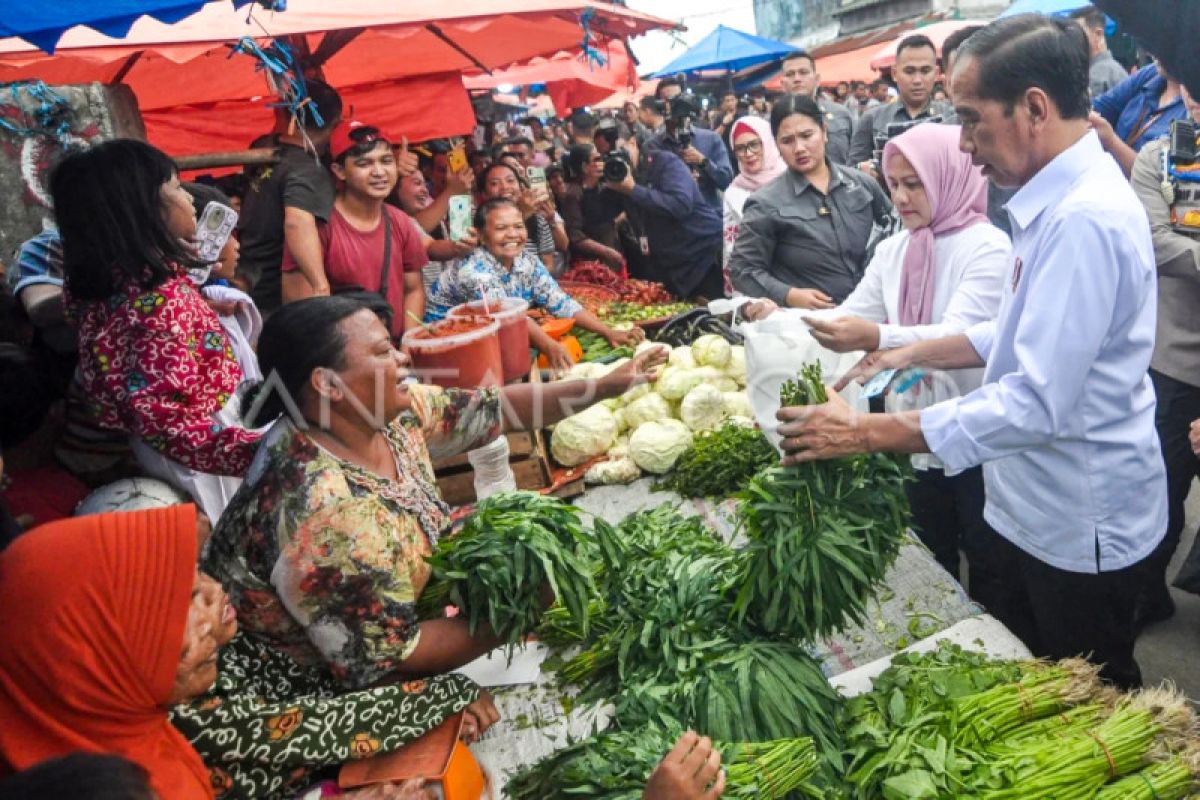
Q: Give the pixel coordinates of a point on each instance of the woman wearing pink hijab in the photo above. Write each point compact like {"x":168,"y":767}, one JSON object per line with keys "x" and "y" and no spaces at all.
{"x":759,"y":163}
{"x":939,"y":276}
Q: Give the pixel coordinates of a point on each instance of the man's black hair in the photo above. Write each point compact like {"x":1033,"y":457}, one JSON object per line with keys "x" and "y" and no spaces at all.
{"x":554,"y":169}
{"x":653,"y":104}
{"x":671,"y":81}
{"x":875,"y":84}
{"x":1017,"y":53}
{"x":857,"y":85}
{"x":366,"y":138}
{"x":583,"y":122}
{"x":915,"y":42}
{"x":1091,"y":17}
{"x":108,"y":205}
{"x":955,"y":40}
{"x":798,"y":55}
{"x":728,"y":93}
{"x":328,"y":103}
{"x":519,"y":140}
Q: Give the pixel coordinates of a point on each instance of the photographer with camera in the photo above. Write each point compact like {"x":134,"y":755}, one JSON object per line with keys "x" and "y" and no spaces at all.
{"x":699,"y":148}
{"x":915,"y":72}
{"x":682,"y":229}
{"x":590,"y":209}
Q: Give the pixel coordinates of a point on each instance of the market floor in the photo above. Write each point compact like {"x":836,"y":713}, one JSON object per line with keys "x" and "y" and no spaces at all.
{"x":1171,"y":650}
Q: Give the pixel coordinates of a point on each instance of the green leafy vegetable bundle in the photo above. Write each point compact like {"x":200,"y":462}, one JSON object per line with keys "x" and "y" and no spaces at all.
{"x":721,"y":462}
{"x":496,"y":567}
{"x":616,"y":766}
{"x":952,"y":724}
{"x":671,"y":654}
{"x":820,"y":535}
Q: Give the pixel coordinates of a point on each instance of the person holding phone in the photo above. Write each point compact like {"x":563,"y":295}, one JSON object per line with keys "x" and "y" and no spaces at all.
{"x":544,"y":228}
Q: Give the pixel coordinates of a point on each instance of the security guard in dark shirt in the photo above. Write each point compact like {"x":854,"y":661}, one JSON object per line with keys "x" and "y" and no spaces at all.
{"x":915,"y":73}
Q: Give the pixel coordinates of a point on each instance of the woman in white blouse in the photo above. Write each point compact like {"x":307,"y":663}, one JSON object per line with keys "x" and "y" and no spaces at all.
{"x":939,"y":276}
{"x":759,"y":163}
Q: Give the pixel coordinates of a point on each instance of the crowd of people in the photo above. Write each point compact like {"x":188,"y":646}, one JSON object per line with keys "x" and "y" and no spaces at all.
{"x":1016,"y":222}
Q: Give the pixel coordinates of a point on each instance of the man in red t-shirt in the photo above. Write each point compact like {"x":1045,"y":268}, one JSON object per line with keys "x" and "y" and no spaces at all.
{"x":352,"y":241}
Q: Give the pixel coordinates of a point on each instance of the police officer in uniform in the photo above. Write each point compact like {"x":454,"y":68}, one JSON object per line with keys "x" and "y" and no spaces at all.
{"x":1167,"y":181}
{"x":798,"y":75}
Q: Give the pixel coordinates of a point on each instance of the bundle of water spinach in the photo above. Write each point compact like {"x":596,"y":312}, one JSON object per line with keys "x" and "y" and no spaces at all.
{"x":509,"y":552}
{"x":616,"y":766}
{"x":820,"y":535}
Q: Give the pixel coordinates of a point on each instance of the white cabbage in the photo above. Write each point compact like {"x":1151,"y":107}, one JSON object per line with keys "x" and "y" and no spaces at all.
{"x":645,"y":409}
{"x":737,"y":404}
{"x":711,"y":350}
{"x":702,"y":408}
{"x":580,"y":437}
{"x":656,"y":446}
{"x":613,"y":471}
{"x":682,"y":357}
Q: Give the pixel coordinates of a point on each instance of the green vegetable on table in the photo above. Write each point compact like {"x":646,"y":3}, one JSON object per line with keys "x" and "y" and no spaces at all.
{"x":821,"y":535}
{"x":617,"y":765}
{"x":496,"y":567}
{"x":720,"y":463}
{"x":635,"y":312}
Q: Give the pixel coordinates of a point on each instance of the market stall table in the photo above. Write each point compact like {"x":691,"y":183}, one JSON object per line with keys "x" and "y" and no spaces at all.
{"x":919,"y":600}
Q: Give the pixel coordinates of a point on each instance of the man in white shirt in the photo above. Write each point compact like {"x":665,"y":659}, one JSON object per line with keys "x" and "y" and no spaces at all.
{"x":1064,"y":423}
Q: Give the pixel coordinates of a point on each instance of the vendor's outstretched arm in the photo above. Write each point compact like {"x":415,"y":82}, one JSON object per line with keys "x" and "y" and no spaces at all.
{"x":535,"y":405}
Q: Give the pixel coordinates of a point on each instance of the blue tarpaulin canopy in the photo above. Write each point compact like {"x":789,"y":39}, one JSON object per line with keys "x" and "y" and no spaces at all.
{"x":727,"y":49}
{"x":43,"y":23}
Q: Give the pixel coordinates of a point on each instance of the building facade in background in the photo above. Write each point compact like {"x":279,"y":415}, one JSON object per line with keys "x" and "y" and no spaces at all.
{"x":809,"y":23}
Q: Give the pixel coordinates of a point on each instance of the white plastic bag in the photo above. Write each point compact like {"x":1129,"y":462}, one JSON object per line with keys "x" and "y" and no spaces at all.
{"x":776,"y":349}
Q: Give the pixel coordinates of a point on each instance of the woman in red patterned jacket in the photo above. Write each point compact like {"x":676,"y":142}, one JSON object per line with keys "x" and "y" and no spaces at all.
{"x":152,"y":355}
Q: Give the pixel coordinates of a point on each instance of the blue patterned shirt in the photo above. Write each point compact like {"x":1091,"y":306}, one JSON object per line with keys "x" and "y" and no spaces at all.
{"x":481,"y":276}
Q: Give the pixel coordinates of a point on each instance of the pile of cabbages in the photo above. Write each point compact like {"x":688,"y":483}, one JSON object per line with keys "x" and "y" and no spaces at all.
{"x":649,"y":427}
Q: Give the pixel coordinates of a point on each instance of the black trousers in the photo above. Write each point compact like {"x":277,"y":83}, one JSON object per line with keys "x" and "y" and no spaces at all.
{"x":948,"y":516}
{"x":1059,"y":614}
{"x":1178,"y":405}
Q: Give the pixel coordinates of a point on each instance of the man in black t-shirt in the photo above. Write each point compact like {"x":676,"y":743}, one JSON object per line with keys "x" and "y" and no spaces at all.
{"x":285,"y":200}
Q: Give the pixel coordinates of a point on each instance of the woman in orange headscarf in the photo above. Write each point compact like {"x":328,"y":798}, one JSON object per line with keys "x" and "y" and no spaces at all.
{"x":106,"y":624}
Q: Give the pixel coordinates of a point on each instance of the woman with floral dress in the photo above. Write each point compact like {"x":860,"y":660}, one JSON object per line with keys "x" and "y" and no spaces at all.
{"x":322,"y":549}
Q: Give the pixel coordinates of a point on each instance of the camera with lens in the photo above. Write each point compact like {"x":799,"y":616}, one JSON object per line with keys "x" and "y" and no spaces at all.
{"x":893,"y":130}
{"x":682,"y":111}
{"x":616,"y":166}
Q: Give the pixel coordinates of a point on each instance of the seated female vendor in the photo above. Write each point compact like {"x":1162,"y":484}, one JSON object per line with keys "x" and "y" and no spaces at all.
{"x":501,"y":267}
{"x":121,"y":626}
{"x":322,"y":548}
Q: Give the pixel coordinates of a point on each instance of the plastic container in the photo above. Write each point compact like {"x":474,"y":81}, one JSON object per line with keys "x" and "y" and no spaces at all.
{"x":462,"y":352}
{"x":492,"y":471}
{"x":514,"y":332}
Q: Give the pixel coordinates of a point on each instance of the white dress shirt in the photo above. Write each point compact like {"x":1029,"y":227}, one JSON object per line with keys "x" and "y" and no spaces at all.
{"x":1064,"y":423}
{"x":971,"y":267}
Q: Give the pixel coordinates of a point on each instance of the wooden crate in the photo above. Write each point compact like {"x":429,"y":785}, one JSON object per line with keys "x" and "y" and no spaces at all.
{"x":531,"y":469}
{"x":527,"y":455}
